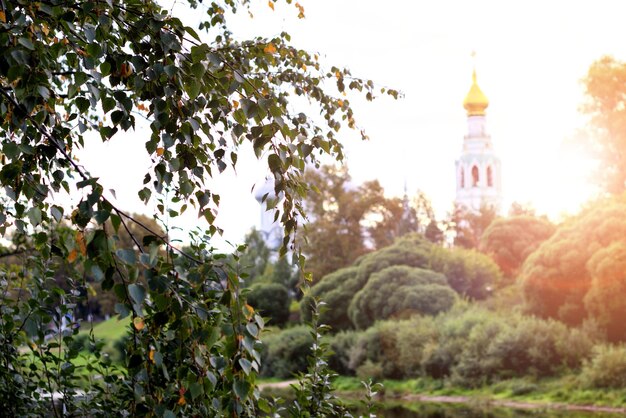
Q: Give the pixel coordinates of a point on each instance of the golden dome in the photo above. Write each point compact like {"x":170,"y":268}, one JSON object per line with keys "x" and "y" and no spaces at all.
{"x":475,"y":102}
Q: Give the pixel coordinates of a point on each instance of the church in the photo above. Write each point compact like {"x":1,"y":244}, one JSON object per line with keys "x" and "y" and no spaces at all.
{"x":478,"y":169}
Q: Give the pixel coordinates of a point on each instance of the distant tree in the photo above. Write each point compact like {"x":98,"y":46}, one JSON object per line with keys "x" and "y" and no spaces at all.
{"x":471,"y":274}
{"x":509,"y":241}
{"x":605,"y":88}
{"x":256,"y":256}
{"x":335,"y":237}
{"x":469,"y":225}
{"x":520,"y":209}
{"x":336,"y":290}
{"x":556,"y":277}
{"x":400,"y":292}
{"x":272,"y":301}
{"x":605,"y":300}
{"x":397,"y":218}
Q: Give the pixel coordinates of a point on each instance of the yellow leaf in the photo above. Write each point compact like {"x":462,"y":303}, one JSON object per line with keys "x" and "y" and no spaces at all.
{"x":3,"y":17}
{"x":44,"y":29}
{"x":159,"y":151}
{"x":270,"y":49}
{"x":125,"y":70}
{"x":151,"y":355}
{"x":138,"y":323}
{"x":340,"y":103}
{"x":80,"y":240}
{"x":72,"y":257}
{"x":337,"y":74}
{"x":303,"y":66}
{"x":235,"y":104}
{"x":250,"y":310}
{"x":181,"y":400}
{"x":271,"y":4}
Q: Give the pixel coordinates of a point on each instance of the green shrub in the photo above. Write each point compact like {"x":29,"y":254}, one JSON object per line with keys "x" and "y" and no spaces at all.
{"x":271,"y":300}
{"x":400,"y":291}
{"x":412,"y":338}
{"x":606,"y":369}
{"x":469,"y":272}
{"x":341,"y":345}
{"x":370,"y":370}
{"x":378,"y":344}
{"x":454,"y":328}
{"x":336,"y":289}
{"x":397,"y":346}
{"x":285,"y":352}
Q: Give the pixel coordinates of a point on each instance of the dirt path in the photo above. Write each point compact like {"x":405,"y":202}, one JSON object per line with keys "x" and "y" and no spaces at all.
{"x":277,"y":385}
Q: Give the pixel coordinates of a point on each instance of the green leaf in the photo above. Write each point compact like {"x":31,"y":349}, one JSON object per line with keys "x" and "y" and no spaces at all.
{"x":137,"y":293}
{"x":246,"y":366}
{"x":195,"y":389}
{"x":192,"y":87}
{"x":198,"y":69}
{"x":57,"y":213}
{"x":122,"y":310}
{"x":26,"y":43}
{"x":127,"y":256}
{"x":11,"y":150}
{"x":241,"y":389}
{"x":274,"y":162}
{"x":108,"y":103}
{"x":34,"y":215}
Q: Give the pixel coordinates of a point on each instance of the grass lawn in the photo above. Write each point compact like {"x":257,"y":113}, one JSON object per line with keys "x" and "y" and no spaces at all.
{"x":110,"y":330}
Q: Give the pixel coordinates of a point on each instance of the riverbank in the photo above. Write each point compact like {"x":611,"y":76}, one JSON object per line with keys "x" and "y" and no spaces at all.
{"x":563,"y":393}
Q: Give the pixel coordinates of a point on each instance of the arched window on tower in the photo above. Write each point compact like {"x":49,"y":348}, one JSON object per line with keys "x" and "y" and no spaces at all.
{"x":462,"y":178}
{"x":474,"y":176}
{"x":489,"y":177}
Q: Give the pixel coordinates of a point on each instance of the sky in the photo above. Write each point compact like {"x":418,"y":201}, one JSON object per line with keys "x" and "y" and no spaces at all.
{"x":530,"y":59}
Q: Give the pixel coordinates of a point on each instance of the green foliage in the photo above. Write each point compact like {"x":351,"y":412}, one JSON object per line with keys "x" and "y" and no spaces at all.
{"x":470,"y":346}
{"x":604,"y":88}
{"x":509,"y":241}
{"x":604,"y":301}
{"x":74,"y":72}
{"x":341,"y":345}
{"x":557,"y":277}
{"x":314,"y":396}
{"x":469,"y":225}
{"x":256,"y":257}
{"x":606,"y":369}
{"x":400,"y":291}
{"x":336,"y":289}
{"x":270,"y":300}
{"x":285,"y":352}
{"x":334,"y":237}
{"x":469,"y":273}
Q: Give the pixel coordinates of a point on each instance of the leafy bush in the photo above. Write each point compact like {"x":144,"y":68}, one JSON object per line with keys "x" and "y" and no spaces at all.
{"x":607,"y":368}
{"x":556,"y":277}
{"x":271,"y":300}
{"x":336,"y":289}
{"x":341,"y":345}
{"x":285,"y":352}
{"x":509,"y":241}
{"x":605,"y":300}
{"x":469,"y":272}
{"x":400,"y":291}
{"x":370,"y":370}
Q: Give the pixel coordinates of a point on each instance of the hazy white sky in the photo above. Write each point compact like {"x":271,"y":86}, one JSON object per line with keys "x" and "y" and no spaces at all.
{"x":531,"y":57}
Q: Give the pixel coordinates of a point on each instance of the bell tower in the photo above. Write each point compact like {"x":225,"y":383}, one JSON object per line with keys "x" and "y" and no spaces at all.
{"x":478,"y":178}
